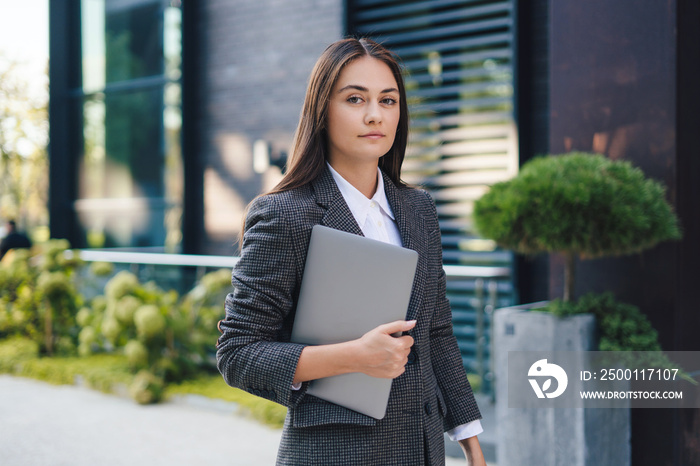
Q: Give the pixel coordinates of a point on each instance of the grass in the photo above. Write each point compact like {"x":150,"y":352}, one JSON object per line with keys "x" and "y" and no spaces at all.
{"x":213,"y":386}
{"x":108,"y":372}
{"x":104,"y":372}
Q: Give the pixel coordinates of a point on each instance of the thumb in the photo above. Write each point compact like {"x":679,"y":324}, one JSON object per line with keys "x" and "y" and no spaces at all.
{"x":398,"y":326}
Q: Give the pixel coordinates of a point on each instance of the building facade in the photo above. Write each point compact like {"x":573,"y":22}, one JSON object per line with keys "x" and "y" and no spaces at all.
{"x":165,"y":116}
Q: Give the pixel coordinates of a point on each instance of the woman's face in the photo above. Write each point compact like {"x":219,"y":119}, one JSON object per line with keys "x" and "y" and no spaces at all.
{"x":363,"y":113}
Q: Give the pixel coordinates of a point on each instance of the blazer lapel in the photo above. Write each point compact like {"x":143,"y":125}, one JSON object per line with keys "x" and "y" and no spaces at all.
{"x":328,"y":196}
{"x":412,"y":230}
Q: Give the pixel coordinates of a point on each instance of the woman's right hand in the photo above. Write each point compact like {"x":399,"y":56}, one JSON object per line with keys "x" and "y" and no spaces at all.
{"x":376,"y":353}
{"x":382,"y":354}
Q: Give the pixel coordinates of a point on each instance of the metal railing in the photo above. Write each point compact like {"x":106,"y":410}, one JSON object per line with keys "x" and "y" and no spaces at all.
{"x":474,"y":293}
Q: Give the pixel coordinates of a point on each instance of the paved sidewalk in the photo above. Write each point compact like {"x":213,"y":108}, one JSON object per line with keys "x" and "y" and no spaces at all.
{"x":46,"y":425}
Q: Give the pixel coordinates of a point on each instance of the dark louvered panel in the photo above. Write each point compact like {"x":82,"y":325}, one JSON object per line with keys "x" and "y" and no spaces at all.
{"x":458,"y":55}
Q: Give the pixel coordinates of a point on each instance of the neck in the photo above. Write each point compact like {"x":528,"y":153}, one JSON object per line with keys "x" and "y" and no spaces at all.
{"x":362,"y":177}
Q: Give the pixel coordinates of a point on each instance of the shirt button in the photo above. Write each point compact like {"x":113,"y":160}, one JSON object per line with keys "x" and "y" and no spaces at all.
{"x":379,"y":223}
{"x":373,"y":204}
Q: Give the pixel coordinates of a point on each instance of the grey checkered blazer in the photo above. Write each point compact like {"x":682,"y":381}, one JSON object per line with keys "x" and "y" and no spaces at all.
{"x":254,"y":352}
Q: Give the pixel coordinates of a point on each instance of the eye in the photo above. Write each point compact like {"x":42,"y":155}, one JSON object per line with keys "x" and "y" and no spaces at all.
{"x":353,"y":99}
{"x":389,"y":101}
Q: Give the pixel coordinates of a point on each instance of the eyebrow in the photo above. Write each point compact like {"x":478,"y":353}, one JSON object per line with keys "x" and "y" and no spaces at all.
{"x":364,"y":89}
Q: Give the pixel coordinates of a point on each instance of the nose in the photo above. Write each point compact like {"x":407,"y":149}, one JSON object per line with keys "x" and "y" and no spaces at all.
{"x":373,"y":114}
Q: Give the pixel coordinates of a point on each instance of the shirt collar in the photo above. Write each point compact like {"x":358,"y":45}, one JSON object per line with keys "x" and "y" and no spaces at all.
{"x":357,"y":202}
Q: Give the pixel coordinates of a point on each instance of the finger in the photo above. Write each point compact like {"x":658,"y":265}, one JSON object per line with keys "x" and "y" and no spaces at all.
{"x":407,"y":340}
{"x":404,"y":342}
{"x":397,"y":326}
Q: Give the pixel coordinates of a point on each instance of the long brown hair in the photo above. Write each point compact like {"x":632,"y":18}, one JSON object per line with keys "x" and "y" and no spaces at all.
{"x":309,"y":153}
{"x":310,"y":149}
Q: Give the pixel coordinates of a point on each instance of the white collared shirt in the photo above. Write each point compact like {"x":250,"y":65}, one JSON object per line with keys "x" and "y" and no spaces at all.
{"x":374,"y":216}
{"x":376,"y":220}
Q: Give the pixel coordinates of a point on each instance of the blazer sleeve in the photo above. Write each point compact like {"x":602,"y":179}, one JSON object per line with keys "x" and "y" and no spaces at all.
{"x":253,"y":352}
{"x":444,"y":352}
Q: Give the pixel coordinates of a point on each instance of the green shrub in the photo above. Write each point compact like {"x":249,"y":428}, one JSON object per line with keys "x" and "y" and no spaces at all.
{"x":581,"y":205}
{"x":203,"y":308}
{"x":122,"y":284}
{"x":15,"y":350}
{"x":101,"y":269}
{"x":38,"y":298}
{"x":621,"y":326}
{"x":137,"y":354}
{"x":149,"y":321}
{"x":587,"y":204}
{"x":169,"y":337}
{"x":146,"y":388}
{"x":161,"y":336}
{"x":125,"y":309}
{"x":54,"y":258}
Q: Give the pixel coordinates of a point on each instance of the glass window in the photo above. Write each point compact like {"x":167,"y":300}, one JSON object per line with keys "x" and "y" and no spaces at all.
{"x":130,"y":173}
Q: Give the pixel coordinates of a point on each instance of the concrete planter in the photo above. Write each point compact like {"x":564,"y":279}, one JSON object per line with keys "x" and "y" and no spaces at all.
{"x":552,"y":437}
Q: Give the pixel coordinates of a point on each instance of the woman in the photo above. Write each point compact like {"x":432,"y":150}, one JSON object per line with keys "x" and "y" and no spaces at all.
{"x":345,"y":173}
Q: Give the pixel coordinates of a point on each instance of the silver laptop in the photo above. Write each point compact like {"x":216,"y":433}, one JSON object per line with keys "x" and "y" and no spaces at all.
{"x":351,"y":285}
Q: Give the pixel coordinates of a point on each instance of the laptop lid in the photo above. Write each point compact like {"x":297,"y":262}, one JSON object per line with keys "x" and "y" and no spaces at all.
{"x":351,"y":285}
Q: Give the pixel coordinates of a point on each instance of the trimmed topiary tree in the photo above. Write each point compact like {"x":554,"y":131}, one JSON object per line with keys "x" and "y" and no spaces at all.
{"x":577,"y":204}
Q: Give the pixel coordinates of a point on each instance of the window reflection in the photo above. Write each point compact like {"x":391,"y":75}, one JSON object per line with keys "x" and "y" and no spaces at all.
{"x":130,"y":176}
{"x":172,"y":43}
{"x":93,"y":44}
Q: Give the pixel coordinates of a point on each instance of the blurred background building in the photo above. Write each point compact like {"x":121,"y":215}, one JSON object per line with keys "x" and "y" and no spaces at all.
{"x":167,"y":118}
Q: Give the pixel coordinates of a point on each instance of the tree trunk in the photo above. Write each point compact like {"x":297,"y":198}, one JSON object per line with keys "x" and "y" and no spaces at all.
{"x":48,"y":329}
{"x":569,"y":276}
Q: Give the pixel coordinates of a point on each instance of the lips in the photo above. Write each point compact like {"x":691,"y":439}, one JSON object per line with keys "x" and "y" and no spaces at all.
{"x":373,"y":135}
